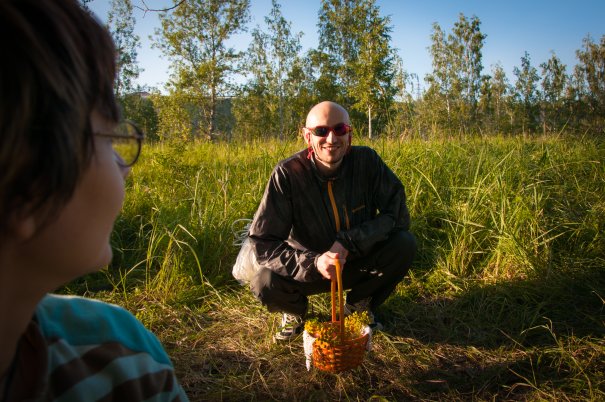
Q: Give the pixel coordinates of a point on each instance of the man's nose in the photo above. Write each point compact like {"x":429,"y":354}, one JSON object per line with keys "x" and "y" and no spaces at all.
{"x":331,"y":137}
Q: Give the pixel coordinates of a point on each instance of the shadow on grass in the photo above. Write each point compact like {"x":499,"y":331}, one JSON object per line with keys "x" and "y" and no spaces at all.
{"x":525,"y":312}
{"x":515,"y":340}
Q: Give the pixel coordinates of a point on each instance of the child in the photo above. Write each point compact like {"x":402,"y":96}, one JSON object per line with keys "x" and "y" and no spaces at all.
{"x":63,"y":160}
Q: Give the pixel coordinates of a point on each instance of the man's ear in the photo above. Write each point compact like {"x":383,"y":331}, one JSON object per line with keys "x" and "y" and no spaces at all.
{"x":306,"y":136}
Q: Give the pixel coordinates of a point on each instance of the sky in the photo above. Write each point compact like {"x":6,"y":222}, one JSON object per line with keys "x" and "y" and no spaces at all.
{"x":513,"y":27}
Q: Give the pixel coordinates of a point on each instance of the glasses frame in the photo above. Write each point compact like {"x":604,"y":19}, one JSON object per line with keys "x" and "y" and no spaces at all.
{"x":333,"y":129}
{"x":138,"y":137}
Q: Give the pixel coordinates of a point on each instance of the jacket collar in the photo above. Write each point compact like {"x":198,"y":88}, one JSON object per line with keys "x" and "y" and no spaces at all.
{"x":341,"y":171}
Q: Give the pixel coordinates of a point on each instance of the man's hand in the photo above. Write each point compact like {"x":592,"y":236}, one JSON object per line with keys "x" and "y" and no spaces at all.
{"x":341,"y":250}
{"x":326,"y":263}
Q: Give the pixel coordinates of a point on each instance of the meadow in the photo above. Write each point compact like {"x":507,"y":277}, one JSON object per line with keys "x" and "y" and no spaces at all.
{"x":505,"y":301}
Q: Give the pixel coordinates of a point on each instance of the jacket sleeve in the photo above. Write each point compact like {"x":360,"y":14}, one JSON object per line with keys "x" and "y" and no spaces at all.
{"x":271,"y":228}
{"x":390,"y":200}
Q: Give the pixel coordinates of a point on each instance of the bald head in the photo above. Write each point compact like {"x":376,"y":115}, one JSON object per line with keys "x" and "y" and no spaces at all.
{"x":327,"y":113}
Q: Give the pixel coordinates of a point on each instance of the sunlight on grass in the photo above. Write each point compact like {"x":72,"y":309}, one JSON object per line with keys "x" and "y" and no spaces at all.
{"x":504,"y":301}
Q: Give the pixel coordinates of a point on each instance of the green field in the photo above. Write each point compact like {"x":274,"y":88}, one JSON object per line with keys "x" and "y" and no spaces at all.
{"x":504,"y":302}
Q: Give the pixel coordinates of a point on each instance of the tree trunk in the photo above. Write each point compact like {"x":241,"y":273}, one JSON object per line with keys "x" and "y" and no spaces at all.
{"x":212,"y":117}
{"x":370,"y":122}
{"x":211,"y":124}
{"x":282,"y":135}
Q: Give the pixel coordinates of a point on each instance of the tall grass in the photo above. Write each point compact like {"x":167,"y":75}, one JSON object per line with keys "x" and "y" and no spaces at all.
{"x":505,"y":299}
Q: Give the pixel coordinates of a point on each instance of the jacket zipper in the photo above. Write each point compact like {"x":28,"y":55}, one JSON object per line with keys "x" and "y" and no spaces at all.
{"x":347,"y":223}
{"x":334,"y":208}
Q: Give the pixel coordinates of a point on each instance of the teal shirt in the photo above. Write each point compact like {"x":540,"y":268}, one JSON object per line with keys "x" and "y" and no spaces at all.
{"x":98,"y":351}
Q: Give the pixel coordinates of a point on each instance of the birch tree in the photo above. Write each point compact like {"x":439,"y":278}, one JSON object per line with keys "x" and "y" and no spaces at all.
{"x":121,"y":25}
{"x":355,"y":46}
{"x":592,"y":70}
{"x":455,"y":83}
{"x":554,"y":79}
{"x":268,"y":100}
{"x":526,"y":93}
{"x":194,"y":37}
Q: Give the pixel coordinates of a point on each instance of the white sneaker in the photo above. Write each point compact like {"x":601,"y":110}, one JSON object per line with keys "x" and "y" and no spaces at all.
{"x":363,"y":305}
{"x":291,"y":326}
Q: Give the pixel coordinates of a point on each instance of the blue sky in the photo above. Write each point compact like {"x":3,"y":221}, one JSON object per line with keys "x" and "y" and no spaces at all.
{"x":512,"y":27}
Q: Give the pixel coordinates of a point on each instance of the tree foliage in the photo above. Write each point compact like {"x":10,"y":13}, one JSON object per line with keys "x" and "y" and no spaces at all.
{"x":526,"y":88}
{"x":85,"y":4}
{"x":355,"y":52}
{"x":121,"y":24}
{"x":554,"y":81}
{"x":455,"y":83}
{"x":271,"y":102}
{"x":591,"y":79}
{"x":355,"y":64}
{"x":194,"y":36}
{"x":138,"y":107}
{"x":133,"y":100}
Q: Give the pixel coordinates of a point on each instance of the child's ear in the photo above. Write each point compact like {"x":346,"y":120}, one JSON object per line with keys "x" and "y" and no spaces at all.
{"x":22,"y":224}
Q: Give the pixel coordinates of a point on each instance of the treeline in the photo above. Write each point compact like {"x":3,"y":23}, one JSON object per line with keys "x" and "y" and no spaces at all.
{"x":217,"y":93}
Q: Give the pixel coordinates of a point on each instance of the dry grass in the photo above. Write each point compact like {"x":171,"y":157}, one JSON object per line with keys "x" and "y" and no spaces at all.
{"x":504,"y":302}
{"x":222,"y":348}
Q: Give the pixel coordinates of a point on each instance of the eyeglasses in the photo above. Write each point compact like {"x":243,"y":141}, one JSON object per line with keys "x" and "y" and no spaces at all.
{"x":322,"y":131}
{"x":126,"y":141}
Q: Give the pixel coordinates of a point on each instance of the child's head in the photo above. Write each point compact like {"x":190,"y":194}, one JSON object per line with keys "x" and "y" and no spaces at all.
{"x":58,"y":65}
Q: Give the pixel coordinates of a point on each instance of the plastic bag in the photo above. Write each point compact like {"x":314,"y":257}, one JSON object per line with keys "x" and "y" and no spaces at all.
{"x":245,"y":266}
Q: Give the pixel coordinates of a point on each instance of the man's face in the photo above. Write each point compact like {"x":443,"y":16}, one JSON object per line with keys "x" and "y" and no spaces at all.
{"x":329,"y":150}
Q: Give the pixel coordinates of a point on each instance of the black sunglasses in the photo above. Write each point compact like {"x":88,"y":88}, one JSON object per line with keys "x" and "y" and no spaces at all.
{"x":322,"y":131}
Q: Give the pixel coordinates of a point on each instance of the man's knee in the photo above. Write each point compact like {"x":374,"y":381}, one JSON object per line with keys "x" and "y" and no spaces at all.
{"x":261,"y":282}
{"x":402,"y":246}
{"x":407,"y":242}
{"x":277,"y":293}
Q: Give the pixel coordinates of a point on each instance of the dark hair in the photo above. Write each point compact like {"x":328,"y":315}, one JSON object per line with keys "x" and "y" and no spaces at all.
{"x":58,"y":64}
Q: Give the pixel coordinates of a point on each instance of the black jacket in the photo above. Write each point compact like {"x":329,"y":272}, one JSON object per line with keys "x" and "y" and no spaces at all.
{"x":302,"y":213}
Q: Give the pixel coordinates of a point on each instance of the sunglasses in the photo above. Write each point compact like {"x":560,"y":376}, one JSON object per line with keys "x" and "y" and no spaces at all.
{"x":322,"y":131}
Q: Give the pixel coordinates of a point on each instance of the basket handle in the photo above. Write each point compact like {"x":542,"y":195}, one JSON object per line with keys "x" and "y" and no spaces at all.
{"x":337,"y":282}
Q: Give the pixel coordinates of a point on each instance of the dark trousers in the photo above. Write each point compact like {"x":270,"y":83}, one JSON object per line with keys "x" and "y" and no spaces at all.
{"x":375,"y":275}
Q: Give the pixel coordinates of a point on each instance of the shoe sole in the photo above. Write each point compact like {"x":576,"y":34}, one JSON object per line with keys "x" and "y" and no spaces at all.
{"x":285,"y":338}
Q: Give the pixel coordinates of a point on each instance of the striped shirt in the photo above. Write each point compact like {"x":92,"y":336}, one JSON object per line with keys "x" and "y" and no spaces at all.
{"x":78,"y":349}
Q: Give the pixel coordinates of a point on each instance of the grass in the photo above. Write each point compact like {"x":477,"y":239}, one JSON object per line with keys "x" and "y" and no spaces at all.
{"x":504,"y":302}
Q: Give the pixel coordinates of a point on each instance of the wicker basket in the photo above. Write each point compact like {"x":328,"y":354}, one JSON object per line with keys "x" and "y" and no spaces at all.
{"x":345,"y":354}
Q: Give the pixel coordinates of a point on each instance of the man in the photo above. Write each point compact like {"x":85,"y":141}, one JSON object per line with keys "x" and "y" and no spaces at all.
{"x":327,"y":203}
